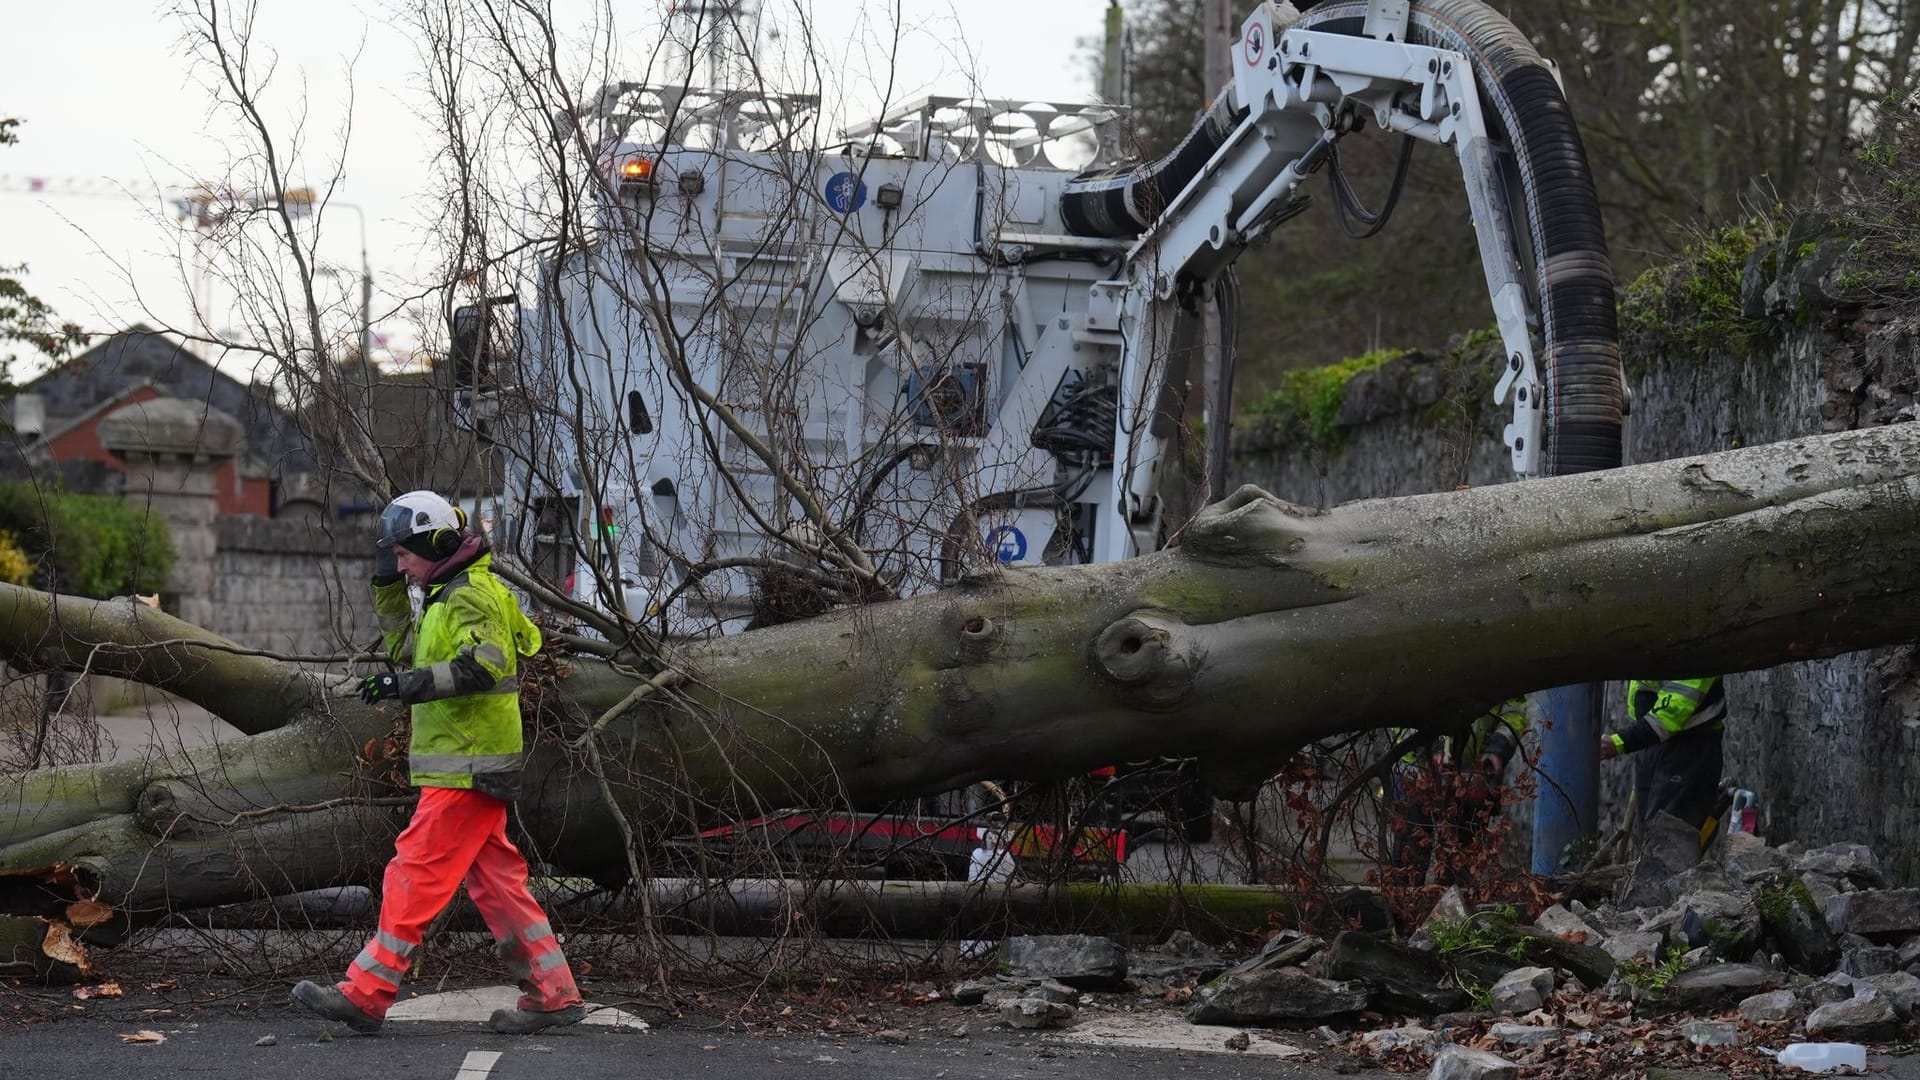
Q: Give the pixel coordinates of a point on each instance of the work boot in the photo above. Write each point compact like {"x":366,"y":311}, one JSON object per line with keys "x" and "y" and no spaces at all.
{"x":528,"y":1021}
{"x":329,"y":1002}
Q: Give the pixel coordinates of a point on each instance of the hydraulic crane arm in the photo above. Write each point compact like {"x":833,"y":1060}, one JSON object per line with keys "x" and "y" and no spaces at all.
{"x":1448,"y":72}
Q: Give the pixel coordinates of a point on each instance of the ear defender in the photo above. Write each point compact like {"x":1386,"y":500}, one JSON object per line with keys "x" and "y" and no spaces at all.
{"x":447,"y":541}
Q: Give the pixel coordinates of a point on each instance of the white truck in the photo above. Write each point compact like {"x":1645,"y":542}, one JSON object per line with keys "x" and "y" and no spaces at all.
{"x":780,"y":372}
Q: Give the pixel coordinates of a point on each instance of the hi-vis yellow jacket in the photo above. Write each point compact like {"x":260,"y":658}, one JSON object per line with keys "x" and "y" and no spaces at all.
{"x":1661,"y":710}
{"x":464,"y":686}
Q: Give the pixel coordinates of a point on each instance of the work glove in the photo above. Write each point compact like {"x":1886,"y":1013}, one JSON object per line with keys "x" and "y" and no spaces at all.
{"x":380,"y":687}
{"x":386,"y":564}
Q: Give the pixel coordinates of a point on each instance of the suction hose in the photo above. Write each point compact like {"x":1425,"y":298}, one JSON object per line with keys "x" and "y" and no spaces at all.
{"x":1124,"y":200}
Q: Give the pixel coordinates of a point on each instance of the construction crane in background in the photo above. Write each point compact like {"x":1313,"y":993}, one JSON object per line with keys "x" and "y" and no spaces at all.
{"x":204,"y":207}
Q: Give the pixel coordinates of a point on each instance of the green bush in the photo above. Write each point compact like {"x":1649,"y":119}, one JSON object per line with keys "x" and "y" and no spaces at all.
{"x":98,"y":545}
{"x":1307,"y":401}
{"x":1692,"y":305}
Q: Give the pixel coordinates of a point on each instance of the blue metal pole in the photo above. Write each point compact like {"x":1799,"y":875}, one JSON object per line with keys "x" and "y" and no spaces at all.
{"x":1566,"y":808}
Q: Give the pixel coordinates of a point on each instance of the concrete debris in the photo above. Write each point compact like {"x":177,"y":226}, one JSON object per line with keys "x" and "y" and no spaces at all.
{"x":1863,"y":959}
{"x":1384,"y":1041}
{"x":971,"y":992}
{"x":1270,"y":995}
{"x":1397,"y":978}
{"x":1749,"y":928}
{"x":1902,"y":989}
{"x":1851,"y":865}
{"x":1452,"y":905}
{"x":1792,"y":917}
{"x":1505,"y":946}
{"x":1450,"y":909}
{"x":1910,"y":955}
{"x":1466,"y":1063}
{"x":1050,"y":990}
{"x":1838,"y":986}
{"x":1668,"y":847}
{"x":1525,"y":1036}
{"x":1030,"y":1012}
{"x":1633,"y":947}
{"x":1562,"y":923}
{"x":1182,"y":955}
{"x":1725,"y":924}
{"x":1082,"y":960}
{"x":1285,"y":950}
{"x":1770,"y":1007}
{"x":1522,"y":990}
{"x":1867,"y":1017}
{"x":1875,"y":911}
{"x":1749,"y":861}
{"x":1115,"y":1033}
{"x":1712,"y":986}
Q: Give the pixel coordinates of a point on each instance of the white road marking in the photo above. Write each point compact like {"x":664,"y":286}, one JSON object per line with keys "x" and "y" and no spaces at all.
{"x":478,"y":1064}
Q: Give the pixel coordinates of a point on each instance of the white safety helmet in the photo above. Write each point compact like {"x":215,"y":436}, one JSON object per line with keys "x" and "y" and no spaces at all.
{"x":423,"y":523}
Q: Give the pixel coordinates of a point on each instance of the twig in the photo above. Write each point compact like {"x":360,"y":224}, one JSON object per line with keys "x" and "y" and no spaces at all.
{"x":309,"y":808}
{"x":662,"y":680}
{"x":240,"y":650}
{"x":1372,"y":772}
{"x":611,"y":629}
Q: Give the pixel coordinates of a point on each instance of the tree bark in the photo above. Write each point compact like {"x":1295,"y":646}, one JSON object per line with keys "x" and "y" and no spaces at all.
{"x":1269,"y":627}
{"x":840,"y":908}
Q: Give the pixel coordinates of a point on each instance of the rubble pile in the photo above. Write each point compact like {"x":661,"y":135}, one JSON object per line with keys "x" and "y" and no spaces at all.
{"x":1699,"y":965}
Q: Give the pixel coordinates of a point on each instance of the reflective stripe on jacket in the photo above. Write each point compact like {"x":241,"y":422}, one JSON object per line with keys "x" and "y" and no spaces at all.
{"x":464,"y":685}
{"x":1661,"y":710}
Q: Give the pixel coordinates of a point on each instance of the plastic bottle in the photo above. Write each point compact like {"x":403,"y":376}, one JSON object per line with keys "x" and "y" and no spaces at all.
{"x":1712,"y":1033}
{"x":1824,"y":1057}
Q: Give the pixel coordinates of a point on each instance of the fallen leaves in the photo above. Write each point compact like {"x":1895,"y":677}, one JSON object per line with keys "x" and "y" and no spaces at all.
{"x":60,"y":945}
{"x":143,"y":1036}
{"x":85,"y":913}
{"x":100,"y":990}
{"x":1606,"y":1043}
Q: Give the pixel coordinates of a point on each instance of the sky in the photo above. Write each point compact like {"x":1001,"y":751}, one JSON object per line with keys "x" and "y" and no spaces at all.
{"x":116,"y":119}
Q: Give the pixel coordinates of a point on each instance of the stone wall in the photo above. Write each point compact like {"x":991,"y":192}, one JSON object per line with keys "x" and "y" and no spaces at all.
{"x":292,"y":585}
{"x":1833,"y":747}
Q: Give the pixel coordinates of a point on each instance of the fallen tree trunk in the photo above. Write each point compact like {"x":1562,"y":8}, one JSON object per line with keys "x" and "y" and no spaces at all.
{"x":840,"y":908}
{"x":1269,"y":627}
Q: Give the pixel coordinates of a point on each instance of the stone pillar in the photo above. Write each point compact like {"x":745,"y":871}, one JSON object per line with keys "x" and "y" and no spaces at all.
{"x":172,"y":449}
{"x":304,"y":497}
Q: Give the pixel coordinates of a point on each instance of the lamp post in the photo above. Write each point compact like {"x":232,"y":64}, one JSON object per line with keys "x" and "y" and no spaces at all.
{"x":366,"y":316}
{"x":366,"y":283}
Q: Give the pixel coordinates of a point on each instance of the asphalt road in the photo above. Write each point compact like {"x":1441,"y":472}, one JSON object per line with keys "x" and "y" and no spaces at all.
{"x":225,"y":1048}
{"x":46,"y":1036}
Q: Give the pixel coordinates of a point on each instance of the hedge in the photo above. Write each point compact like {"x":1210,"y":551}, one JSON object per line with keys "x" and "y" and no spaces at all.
{"x":97,"y":545}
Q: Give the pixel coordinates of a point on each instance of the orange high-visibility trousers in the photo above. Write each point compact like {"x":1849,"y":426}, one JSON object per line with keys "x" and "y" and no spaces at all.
{"x":456,"y":833}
